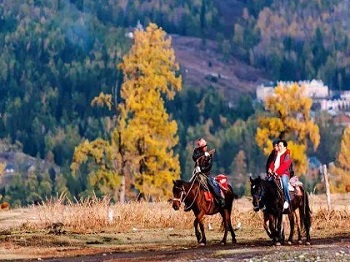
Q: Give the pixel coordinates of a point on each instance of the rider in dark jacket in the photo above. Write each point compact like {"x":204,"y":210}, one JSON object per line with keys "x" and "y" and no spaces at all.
{"x":201,"y":151}
{"x":271,"y":158}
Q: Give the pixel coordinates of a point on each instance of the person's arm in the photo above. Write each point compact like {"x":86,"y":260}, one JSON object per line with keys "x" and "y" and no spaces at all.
{"x":196,"y":154}
{"x":208,"y":164}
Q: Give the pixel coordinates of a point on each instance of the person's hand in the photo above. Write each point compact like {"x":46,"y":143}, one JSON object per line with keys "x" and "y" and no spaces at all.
{"x":206,"y":153}
{"x":198,"y":169}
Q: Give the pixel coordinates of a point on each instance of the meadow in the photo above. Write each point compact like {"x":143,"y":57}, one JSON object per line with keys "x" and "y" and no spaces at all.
{"x":62,"y":228}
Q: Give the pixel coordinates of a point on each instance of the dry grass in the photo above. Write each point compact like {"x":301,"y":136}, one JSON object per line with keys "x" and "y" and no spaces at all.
{"x":96,"y":216}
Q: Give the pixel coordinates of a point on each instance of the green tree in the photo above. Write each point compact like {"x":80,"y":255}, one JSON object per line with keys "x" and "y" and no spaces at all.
{"x":287,"y":116}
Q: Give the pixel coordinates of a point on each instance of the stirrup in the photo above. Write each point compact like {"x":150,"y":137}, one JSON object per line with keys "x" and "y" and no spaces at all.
{"x":285,"y":205}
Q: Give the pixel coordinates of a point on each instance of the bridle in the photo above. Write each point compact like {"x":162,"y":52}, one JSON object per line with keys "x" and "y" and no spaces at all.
{"x":261,"y":194}
{"x":184,"y":195}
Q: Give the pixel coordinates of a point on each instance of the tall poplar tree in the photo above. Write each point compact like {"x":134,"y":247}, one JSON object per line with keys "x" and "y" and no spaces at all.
{"x":287,"y":116}
{"x":147,"y":132}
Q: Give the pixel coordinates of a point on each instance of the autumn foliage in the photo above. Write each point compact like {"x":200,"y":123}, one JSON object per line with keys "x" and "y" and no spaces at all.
{"x":340,"y":172}
{"x":138,"y":156}
{"x":287,"y":116}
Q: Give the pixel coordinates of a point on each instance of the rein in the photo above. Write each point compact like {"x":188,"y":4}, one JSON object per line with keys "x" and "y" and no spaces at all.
{"x":185,"y":194}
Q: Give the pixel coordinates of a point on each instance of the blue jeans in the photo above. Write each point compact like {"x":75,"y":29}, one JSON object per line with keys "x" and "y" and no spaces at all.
{"x":285,"y":180}
{"x":214,"y":185}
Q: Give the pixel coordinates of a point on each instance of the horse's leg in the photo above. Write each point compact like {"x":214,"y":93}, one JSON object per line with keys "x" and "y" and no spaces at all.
{"x":226,"y":218}
{"x":224,"y":215}
{"x":267,"y":224}
{"x":291,"y":225}
{"x":273,"y":228}
{"x":298,"y":223}
{"x":196,"y":231}
{"x":279,"y":229}
{"x":200,"y":234}
{"x":233,"y":235}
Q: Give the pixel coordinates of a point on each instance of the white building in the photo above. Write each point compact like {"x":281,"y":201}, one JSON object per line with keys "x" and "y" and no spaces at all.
{"x":314,"y":89}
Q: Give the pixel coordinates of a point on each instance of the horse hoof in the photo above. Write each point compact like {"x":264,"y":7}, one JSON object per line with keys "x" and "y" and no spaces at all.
{"x":234,"y":241}
{"x":307,"y":243}
{"x":277,"y":243}
{"x":300,"y":242}
{"x":222,"y":243}
{"x":289,"y":243}
{"x":202,"y":244}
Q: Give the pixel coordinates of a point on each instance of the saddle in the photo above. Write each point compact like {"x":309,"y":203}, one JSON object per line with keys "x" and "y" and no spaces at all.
{"x":222,"y":181}
{"x":295,"y":185}
{"x":202,"y":180}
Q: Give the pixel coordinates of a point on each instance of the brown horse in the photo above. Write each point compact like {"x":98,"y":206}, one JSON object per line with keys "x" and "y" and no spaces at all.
{"x":270,"y":194}
{"x":193,"y":195}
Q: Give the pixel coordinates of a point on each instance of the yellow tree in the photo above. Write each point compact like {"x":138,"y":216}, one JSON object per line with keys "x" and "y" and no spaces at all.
{"x":102,"y":158}
{"x":147,"y":131}
{"x":139,"y":151}
{"x":287,"y":116}
{"x":341,"y":169}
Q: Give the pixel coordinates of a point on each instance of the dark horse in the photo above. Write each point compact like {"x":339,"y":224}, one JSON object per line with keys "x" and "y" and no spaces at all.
{"x":193,"y":195}
{"x":270,"y":193}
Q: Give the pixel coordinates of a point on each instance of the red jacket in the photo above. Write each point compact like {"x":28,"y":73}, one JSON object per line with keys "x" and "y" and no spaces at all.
{"x":285,"y":164}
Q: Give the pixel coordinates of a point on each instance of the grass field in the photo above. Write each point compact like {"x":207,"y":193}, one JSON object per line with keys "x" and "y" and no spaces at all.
{"x":57,"y":228}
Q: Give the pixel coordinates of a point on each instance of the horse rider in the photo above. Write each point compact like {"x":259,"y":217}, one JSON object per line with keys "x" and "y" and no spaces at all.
{"x":281,"y":167}
{"x":201,"y":151}
{"x":271,"y":158}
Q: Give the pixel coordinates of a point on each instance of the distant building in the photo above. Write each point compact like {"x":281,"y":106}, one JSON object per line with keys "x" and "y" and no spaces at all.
{"x":336,"y":104}
{"x":314,"y":89}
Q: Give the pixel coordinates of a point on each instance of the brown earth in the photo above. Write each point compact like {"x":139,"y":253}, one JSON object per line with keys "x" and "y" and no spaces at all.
{"x":322,"y":249}
{"x":203,"y":66}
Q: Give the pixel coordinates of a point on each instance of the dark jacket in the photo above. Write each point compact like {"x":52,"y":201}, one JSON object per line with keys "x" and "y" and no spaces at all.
{"x":271,"y":159}
{"x":204,"y":162}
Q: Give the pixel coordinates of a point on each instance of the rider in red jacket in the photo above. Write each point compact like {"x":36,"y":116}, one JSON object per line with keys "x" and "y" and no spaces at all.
{"x":282,"y":167}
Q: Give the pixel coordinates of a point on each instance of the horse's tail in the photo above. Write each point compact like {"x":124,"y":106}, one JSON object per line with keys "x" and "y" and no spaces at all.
{"x":307,"y":209}
{"x":234,"y":195}
{"x":305,"y":214}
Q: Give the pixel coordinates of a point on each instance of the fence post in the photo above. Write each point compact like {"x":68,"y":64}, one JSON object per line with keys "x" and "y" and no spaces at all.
{"x":328,"y":195}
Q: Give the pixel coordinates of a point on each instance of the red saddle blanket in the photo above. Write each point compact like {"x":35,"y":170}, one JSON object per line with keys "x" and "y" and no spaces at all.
{"x":208,"y":196}
{"x":222,"y":181}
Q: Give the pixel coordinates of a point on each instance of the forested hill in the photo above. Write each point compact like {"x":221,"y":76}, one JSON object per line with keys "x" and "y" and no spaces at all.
{"x":56,"y":56}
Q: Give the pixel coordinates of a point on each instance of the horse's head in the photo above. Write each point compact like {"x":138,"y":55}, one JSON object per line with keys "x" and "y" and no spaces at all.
{"x":179,"y":193}
{"x":257,"y":190}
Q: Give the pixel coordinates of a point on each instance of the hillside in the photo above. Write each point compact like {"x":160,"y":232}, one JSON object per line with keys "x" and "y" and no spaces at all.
{"x":203,"y":66}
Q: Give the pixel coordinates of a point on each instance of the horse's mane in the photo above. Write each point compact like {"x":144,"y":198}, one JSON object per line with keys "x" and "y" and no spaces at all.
{"x":272,"y":192}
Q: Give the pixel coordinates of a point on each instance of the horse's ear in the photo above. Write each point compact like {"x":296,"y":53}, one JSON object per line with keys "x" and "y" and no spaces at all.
{"x":250,"y":178}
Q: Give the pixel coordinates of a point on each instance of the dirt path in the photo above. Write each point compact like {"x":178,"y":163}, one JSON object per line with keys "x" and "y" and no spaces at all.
{"x":333,"y":249}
